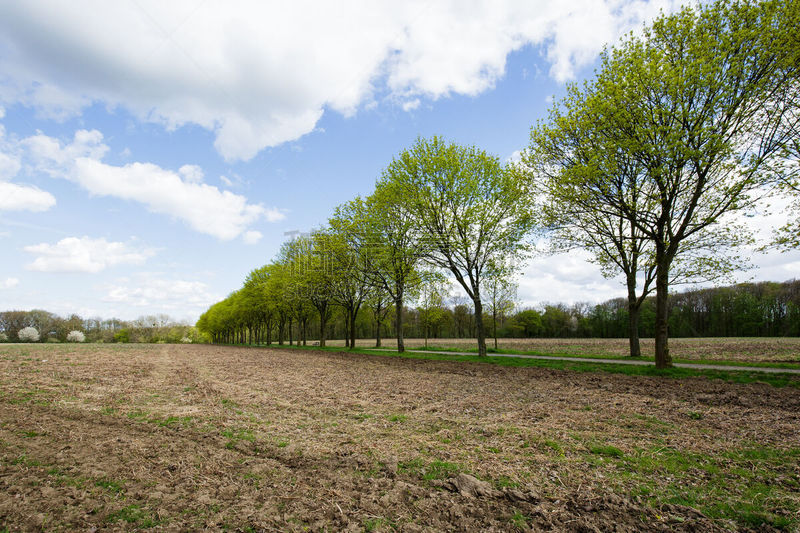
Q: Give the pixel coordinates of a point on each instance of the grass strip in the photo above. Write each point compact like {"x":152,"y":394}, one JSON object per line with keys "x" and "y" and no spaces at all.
{"x":736,"y":376}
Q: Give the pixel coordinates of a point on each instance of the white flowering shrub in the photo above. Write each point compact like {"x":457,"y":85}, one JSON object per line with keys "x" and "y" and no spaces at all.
{"x":28,"y":334}
{"x":3,"y":337}
{"x":76,"y":336}
{"x":186,"y":340}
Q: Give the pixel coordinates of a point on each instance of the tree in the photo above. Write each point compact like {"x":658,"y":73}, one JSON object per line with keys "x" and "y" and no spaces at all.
{"x":387,"y":228}
{"x":468,"y":209}
{"x":432,"y":294}
{"x":380,"y":303}
{"x":350,"y":279}
{"x":76,"y":336}
{"x":591,"y":194}
{"x":28,"y":334}
{"x":291,"y":256}
{"x":500,"y":293}
{"x":316,"y":271}
{"x":699,"y":104}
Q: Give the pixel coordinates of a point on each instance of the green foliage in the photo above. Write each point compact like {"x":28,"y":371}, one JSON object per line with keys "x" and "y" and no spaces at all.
{"x":681,"y":127}
{"x":123,"y":335}
{"x":471,"y":212}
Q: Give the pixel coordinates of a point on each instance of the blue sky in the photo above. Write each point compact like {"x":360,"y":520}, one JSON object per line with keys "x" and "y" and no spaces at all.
{"x":151,"y":153}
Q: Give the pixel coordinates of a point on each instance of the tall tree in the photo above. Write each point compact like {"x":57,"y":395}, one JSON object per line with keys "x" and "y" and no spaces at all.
{"x":591,"y":193}
{"x":350,"y":276}
{"x":698,"y":102}
{"x":469,"y":210}
{"x":385,"y":229}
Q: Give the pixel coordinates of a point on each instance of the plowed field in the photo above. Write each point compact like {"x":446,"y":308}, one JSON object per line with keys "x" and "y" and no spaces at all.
{"x":190,"y":437}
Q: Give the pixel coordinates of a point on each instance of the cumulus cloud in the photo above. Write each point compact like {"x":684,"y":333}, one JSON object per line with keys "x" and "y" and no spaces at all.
{"x":9,"y":283}
{"x":84,"y":254}
{"x":567,"y":278}
{"x":252,"y":237}
{"x":153,"y":291}
{"x":182,"y":194}
{"x":15,"y":197}
{"x":259,"y":74}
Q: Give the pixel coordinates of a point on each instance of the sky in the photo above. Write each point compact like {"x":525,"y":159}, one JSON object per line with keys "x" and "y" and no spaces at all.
{"x":153,"y":153}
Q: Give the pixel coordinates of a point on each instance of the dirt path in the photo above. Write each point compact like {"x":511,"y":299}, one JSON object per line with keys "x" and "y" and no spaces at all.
{"x":192,"y":437}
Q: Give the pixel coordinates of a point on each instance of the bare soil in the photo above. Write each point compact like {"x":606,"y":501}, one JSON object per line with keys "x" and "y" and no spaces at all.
{"x":177,"y":437}
{"x":745,"y":349}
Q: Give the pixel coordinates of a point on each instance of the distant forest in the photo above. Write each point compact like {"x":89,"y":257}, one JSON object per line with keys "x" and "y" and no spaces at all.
{"x":765,"y":309}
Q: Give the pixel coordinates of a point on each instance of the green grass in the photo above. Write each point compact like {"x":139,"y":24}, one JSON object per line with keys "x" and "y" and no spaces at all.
{"x":752,"y":486}
{"x":374,"y":524}
{"x":647,"y":358}
{"x":436,"y":469}
{"x":115,"y":487}
{"x":605,"y":450}
{"x":133,"y":514}
{"x":731,"y":376}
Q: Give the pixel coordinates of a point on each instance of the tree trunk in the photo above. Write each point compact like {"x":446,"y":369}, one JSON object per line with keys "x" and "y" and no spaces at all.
{"x":323,"y":320}
{"x":633,"y":318}
{"x":353,"y":330}
{"x":378,"y":334}
{"x":494,"y":327}
{"x":290,"y":331}
{"x":347,"y":329}
{"x":479,"y":329}
{"x":399,"y":323}
{"x":663,"y":359}
{"x":304,"y":325}
{"x":281,"y":331}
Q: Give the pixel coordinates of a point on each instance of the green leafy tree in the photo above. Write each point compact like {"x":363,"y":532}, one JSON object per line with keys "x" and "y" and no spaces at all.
{"x":698,"y":103}
{"x":592,"y":195}
{"x":387,"y":228}
{"x":468,"y":210}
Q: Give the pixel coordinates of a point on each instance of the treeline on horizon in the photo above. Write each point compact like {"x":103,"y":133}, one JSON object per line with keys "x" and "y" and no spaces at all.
{"x":764,"y":309}
{"x":54,"y":328}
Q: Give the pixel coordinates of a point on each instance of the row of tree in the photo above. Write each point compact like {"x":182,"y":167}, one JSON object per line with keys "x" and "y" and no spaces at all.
{"x":645,"y":165}
{"x":765,"y":309}
{"x":438,"y":208}
{"x":54,"y":328}
{"x":743,"y":310}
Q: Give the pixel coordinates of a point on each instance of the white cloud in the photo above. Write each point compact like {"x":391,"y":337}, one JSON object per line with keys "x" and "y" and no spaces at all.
{"x":155,"y":292}
{"x":84,"y":254}
{"x":181,"y":194}
{"x":9,"y":283}
{"x":259,"y":74}
{"x":9,"y":166}
{"x":252,"y":237}
{"x":191,"y":173}
{"x":15,"y":197}
{"x":566,"y":278}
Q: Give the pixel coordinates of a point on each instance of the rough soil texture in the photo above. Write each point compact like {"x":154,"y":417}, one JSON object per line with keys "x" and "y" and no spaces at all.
{"x":752,"y":349}
{"x":190,"y":437}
